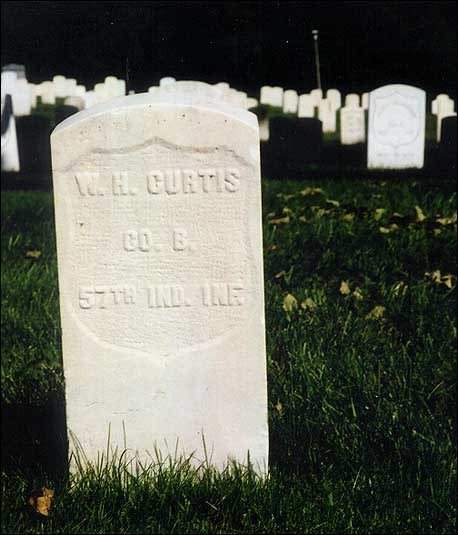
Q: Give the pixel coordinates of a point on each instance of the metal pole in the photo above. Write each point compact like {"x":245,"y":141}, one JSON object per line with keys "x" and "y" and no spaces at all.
{"x":317,"y":58}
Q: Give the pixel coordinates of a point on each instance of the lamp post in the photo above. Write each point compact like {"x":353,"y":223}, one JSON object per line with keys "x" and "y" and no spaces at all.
{"x":317,"y":58}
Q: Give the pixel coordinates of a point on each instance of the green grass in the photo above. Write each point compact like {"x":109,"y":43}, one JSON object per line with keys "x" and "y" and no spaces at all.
{"x":362,"y":407}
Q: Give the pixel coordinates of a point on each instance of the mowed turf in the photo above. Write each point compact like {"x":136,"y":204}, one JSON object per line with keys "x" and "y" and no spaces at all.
{"x":360,"y":282}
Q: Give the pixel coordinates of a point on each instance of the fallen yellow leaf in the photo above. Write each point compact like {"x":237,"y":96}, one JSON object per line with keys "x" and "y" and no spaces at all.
{"x":357,"y":294}
{"x":447,"y":220}
{"x":308,"y":304}
{"x":378,"y":213}
{"x":344,"y":288}
{"x":311,"y":191}
{"x":289,"y":303}
{"x":41,"y":501}
{"x":420,"y":216}
{"x":33,"y":254}
{"x":349,"y":217}
{"x":279,"y":220}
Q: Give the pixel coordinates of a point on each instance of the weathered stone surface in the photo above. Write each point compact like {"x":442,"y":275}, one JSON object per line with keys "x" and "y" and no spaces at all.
{"x":158,"y":220}
{"x":396,"y":134}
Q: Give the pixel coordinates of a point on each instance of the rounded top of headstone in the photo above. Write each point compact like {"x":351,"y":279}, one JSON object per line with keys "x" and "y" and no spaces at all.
{"x":14,"y":67}
{"x":162,"y":98}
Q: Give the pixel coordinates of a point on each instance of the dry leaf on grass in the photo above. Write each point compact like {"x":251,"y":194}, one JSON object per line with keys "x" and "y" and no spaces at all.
{"x":308,"y":304}
{"x":279,"y":220}
{"x":420,"y":216}
{"x":41,"y":501}
{"x":33,"y":254}
{"x":289,"y":303}
{"x":344,"y":288}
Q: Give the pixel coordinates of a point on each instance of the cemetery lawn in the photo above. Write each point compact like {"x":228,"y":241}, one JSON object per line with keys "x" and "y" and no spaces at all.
{"x":360,"y":284}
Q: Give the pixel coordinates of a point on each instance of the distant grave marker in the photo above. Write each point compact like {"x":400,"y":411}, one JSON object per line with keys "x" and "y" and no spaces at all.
{"x":158,"y":221}
{"x":396,"y":135}
{"x":352,"y":126}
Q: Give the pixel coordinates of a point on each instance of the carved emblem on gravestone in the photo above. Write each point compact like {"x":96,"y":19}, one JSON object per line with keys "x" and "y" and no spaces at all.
{"x":397,"y":121}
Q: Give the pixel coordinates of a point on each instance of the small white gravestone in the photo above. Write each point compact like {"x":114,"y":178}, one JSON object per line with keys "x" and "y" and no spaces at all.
{"x":101,"y":93}
{"x":365,"y":101}
{"x":33,"y":94}
{"x":317,"y":95}
{"x":396,"y":135}
{"x":327,"y":116}
{"x":48,"y":95}
{"x":22,"y":98}
{"x":276,"y":96}
{"x":80,"y":91}
{"x":159,"y":244}
{"x":264,"y":95}
{"x":90,"y":99}
{"x":334,"y":96}
{"x":167,"y":80}
{"x":305,"y":106}
{"x":70,"y":86}
{"x":444,"y":106}
{"x":290,"y":99}
{"x":352,"y":126}
{"x":60,"y":86}
{"x":264,"y":130}
{"x":352,"y":100}
{"x":10,"y":153}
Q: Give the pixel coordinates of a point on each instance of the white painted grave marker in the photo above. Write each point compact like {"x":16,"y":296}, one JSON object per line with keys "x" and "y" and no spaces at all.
{"x":290,"y":100}
{"x":352,"y":126}
{"x":396,"y":136}
{"x":159,"y":240}
{"x":306,"y":107}
{"x":327,"y":116}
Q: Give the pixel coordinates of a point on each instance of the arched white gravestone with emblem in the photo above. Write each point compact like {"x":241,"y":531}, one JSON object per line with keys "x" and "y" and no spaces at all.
{"x":396,"y":134}
{"x":159,"y":241}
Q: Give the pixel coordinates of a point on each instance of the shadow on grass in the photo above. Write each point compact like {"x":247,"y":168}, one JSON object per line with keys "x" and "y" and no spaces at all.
{"x":34,"y":438}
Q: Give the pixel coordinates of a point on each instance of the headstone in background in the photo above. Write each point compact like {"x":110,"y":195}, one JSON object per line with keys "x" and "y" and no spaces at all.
{"x":167,"y":80}
{"x":290,"y":99}
{"x":33,"y":94}
{"x":65,"y":110}
{"x":276,"y":96}
{"x":48,"y":95}
{"x":317,"y":95}
{"x":10,"y":154}
{"x":80,"y":91}
{"x":70,"y":87}
{"x":16,"y":68}
{"x":327,"y":116}
{"x":265,"y":94}
{"x":305,"y":107}
{"x":396,"y":135}
{"x":365,"y":101}
{"x":352,"y":100}
{"x":90,"y":99}
{"x":438,"y":102}
{"x":161,"y":278}
{"x":334,"y":96}
{"x":445,"y":107}
{"x":352,"y":126}
{"x":33,"y":132}
{"x":60,"y":86}
{"x":101,"y":92}
{"x":22,"y":98}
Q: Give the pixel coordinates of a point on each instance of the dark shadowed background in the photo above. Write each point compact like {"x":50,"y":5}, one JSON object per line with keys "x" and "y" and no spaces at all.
{"x":362,"y":44}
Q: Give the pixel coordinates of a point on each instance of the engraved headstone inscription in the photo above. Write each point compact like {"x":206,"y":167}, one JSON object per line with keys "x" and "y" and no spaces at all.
{"x":396,"y":133}
{"x":159,"y":243}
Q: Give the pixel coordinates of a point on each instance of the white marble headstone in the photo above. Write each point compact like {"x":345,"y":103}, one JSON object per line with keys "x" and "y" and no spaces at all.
{"x":335,"y":97}
{"x":352,"y":126}
{"x":327,"y":116}
{"x":365,"y":101}
{"x":159,"y":243}
{"x":167,"y":80}
{"x":352,"y":100}
{"x":290,"y":99}
{"x":10,"y":153}
{"x":396,"y":134}
{"x":306,"y":106}
{"x":317,"y":95}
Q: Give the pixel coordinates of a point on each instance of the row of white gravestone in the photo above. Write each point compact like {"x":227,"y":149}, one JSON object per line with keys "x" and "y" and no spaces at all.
{"x":159,"y":244}
{"x":220,"y":91}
